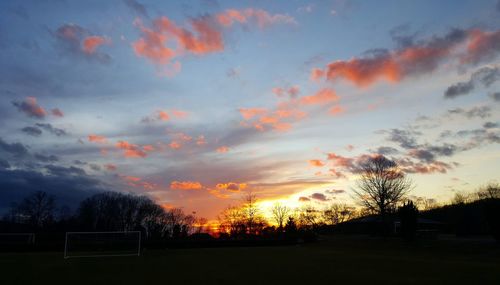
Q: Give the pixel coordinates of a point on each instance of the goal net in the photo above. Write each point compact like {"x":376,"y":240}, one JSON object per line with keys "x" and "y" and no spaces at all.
{"x":16,"y":240}
{"x":102,"y":244}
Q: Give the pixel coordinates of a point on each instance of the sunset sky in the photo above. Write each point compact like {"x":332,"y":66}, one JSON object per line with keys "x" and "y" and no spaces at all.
{"x":195,"y":103}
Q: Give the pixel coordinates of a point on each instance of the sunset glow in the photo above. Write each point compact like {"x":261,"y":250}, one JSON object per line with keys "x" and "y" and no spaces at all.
{"x":197,"y":104}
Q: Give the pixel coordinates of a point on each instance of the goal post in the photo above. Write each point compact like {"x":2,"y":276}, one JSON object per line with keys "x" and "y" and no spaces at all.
{"x":102,"y":244}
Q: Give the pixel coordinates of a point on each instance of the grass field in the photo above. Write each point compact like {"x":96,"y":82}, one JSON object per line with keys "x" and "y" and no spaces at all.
{"x":330,"y":261}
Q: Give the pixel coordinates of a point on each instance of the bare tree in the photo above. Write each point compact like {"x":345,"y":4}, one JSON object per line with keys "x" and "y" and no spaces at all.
{"x":280,"y":213}
{"x":490,"y":191}
{"x":338,"y":213}
{"x":37,"y":209}
{"x":382,"y":185}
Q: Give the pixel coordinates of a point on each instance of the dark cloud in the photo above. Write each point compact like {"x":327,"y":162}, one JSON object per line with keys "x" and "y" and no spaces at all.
{"x":65,"y":171}
{"x":70,"y":39}
{"x":460,"y":88}
{"x":51,"y":129}
{"x":4,"y":164}
{"x":402,"y":37}
{"x":30,"y":107}
{"x":319,"y":197}
{"x":45,"y":158}
{"x":385,"y":150}
{"x":495,"y":96}
{"x":485,"y":76}
{"x":404,"y":138}
{"x":490,"y":125}
{"x":137,"y":7}
{"x":32,"y":131}
{"x":68,"y":189}
{"x":95,"y":167}
{"x":335,"y":191}
{"x":474,"y":112}
{"x":17,"y":149}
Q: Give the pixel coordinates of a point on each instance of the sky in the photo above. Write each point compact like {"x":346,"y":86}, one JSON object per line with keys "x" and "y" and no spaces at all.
{"x":196,"y":103}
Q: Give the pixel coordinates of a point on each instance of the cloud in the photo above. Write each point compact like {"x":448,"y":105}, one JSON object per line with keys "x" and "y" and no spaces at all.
{"x":185,"y":185}
{"x":322,"y":97}
{"x":474,"y":112}
{"x":57,"y":112}
{"x":45,"y":158}
{"x":483,"y":46}
{"x":319,"y":196}
{"x":495,"y":96}
{"x":316,"y":163}
{"x":110,"y":167}
{"x":485,"y":76}
{"x":91,"y":43}
{"x":292,"y":91}
{"x":404,"y":138}
{"x":418,"y":58}
{"x":137,"y":7}
{"x":68,"y":189}
{"x":165,"y":40}
{"x":97,"y":139}
{"x":16,"y":149}
{"x":222,"y":149}
{"x":231,"y":186}
{"x":490,"y":125}
{"x":335,"y":191}
{"x":336,"y":110}
{"x":304,"y":199}
{"x":76,"y":40}
{"x":32,"y":131}
{"x":385,"y":150}
{"x":30,"y":107}
{"x":51,"y":129}
{"x":130,"y":150}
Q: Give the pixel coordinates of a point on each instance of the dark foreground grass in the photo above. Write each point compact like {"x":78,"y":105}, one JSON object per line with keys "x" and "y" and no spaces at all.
{"x":332,"y":261}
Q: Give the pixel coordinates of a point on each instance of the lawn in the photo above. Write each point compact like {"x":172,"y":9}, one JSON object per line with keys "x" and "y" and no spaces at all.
{"x":330,"y":261}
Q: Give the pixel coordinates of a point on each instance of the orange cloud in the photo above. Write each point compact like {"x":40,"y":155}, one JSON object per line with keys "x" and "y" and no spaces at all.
{"x":92,"y":42}
{"x":316,"y":163}
{"x":148,"y":148}
{"x":249,"y":113}
{"x":110,"y":167}
{"x":166,"y":40}
{"x":56,"y":112}
{"x":336,"y":110}
{"x":201,"y":140}
{"x":162,"y":115}
{"x":179,"y":114}
{"x":222,"y":149}
{"x":482,"y":46}
{"x":130,"y":150}
{"x":323,"y":96}
{"x":175,"y":145}
{"x":231,"y":186}
{"x":97,"y":139}
{"x":185,"y":185}
{"x":31,"y":108}
{"x":261,"y":17}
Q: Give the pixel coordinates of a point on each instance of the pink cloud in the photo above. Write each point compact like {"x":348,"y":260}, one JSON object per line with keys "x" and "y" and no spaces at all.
{"x":30,"y":107}
{"x":222,"y":149}
{"x":186,"y":185}
{"x":56,"y":112}
{"x":322,"y":97}
{"x":130,"y":150}
{"x":97,"y":139}
{"x":90,"y":44}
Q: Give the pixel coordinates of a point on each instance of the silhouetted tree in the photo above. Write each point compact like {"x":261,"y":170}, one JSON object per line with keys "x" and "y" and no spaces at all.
{"x":337,"y":213}
{"x":490,"y":191}
{"x":408,"y":214}
{"x":36,"y":210}
{"x":280,"y":214}
{"x":382,"y":185}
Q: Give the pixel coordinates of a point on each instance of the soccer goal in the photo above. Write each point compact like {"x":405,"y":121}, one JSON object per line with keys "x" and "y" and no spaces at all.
{"x":16,"y":240}
{"x":102,"y":244}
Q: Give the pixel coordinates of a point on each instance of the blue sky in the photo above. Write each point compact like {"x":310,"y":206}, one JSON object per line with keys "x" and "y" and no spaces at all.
{"x":194,"y":116}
